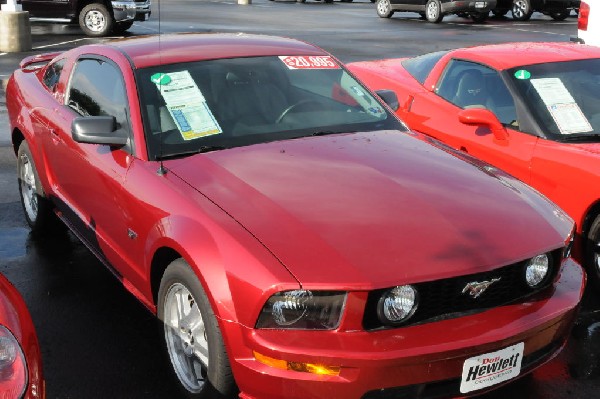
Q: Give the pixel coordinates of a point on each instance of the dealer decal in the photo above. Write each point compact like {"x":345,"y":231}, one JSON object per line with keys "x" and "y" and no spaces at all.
{"x":491,"y":368}
{"x":309,"y":62}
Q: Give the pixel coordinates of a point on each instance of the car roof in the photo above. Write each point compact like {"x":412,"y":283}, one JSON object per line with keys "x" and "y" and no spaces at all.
{"x":145,"y":51}
{"x":510,"y":55}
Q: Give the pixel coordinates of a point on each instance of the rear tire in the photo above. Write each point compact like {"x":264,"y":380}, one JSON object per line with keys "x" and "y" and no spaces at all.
{"x":560,"y":15}
{"x":384,"y":8}
{"x":39,"y":212}
{"x":522,"y":10}
{"x":95,"y":20}
{"x":433,"y":11}
{"x":192,"y":336}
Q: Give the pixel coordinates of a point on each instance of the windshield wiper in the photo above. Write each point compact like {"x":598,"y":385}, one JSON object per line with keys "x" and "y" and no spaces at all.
{"x":204,"y":148}
{"x":595,"y":137}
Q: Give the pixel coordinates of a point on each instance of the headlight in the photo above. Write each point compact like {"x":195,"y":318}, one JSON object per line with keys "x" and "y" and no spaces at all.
{"x":397,"y":304}
{"x":537,"y":269}
{"x":303,"y":309}
{"x":13,"y":370}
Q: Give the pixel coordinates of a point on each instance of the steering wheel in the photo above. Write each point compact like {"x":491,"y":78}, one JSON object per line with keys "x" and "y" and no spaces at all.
{"x":300,"y":105}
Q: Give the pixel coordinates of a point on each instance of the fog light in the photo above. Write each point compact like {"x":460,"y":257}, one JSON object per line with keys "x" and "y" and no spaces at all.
{"x":537,"y":270}
{"x":398,"y":304}
{"x":313,"y":368}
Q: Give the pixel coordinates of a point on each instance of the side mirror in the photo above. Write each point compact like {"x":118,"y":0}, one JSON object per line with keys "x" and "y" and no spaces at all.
{"x":389,"y":97}
{"x":483,"y":117}
{"x":98,"y":130}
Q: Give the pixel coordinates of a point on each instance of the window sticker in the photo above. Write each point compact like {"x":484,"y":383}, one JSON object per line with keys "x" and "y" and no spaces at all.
{"x":186,"y":104}
{"x":523,"y":74}
{"x":560,"y":103}
{"x":309,"y":62}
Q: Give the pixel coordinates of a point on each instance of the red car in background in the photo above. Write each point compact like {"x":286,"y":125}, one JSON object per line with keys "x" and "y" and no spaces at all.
{"x":20,"y":358}
{"x":294,"y":238}
{"x":531,"y":109}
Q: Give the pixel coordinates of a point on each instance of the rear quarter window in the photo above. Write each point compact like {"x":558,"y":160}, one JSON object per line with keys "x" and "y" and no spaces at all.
{"x":420,"y":67}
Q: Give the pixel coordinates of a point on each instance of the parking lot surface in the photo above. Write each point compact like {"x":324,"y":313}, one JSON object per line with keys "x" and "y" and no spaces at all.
{"x":97,"y":340}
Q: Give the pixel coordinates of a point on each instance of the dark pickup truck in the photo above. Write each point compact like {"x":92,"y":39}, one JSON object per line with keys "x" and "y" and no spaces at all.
{"x":95,"y":17}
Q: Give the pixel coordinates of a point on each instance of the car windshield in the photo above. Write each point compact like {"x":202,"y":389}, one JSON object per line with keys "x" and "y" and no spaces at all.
{"x":225,"y":103}
{"x":563,"y":97}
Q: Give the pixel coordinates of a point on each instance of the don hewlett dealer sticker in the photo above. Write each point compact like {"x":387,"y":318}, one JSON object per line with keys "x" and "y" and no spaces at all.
{"x":491,"y":368}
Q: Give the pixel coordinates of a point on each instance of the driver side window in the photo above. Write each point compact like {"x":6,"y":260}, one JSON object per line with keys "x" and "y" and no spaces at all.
{"x":97,"y":89}
{"x":470,"y":85}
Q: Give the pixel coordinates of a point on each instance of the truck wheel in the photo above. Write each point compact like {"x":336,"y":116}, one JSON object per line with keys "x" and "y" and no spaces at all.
{"x":121,"y":27}
{"x":384,"y":8}
{"x":522,"y":10}
{"x":433,"y":11}
{"x":95,"y":20}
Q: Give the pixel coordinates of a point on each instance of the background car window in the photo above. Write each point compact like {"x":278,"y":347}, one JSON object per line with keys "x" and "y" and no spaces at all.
{"x":52,"y":74}
{"x":420,"y":67}
{"x":97,"y":89}
{"x":467,"y":85}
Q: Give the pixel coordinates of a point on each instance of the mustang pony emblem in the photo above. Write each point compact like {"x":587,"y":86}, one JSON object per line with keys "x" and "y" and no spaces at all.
{"x":477,"y":288}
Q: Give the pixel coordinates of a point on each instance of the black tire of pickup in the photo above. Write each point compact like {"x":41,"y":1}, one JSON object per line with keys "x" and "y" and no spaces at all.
{"x":96,"y":20}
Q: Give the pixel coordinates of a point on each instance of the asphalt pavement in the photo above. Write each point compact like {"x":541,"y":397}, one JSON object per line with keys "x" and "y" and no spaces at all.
{"x":97,"y":340}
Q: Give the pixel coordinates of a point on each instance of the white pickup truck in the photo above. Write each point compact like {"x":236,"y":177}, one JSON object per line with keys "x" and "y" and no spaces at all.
{"x":589,"y":23}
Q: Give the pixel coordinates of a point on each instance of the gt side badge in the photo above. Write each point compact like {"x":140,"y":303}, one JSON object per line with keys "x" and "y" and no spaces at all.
{"x":522,"y":74}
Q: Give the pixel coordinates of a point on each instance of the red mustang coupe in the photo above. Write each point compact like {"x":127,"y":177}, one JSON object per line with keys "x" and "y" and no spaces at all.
{"x":295,"y":239}
{"x":20,"y":358}
{"x":531,"y":109}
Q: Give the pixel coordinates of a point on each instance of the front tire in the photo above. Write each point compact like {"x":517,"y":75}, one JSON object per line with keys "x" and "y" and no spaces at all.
{"x":522,"y":10}
{"x":592,"y":253}
{"x":96,"y":20}
{"x":39,"y":212}
{"x":192,"y":336}
{"x":384,"y":8}
{"x":479,"y":17}
{"x":433,"y":11}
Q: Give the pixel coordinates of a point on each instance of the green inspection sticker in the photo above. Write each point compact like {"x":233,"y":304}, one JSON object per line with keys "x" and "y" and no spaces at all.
{"x":522,"y":74}
{"x":161,"y":79}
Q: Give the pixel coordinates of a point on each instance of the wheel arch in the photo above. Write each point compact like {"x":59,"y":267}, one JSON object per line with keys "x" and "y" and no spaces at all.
{"x":17,"y":138}
{"x":592,"y":212}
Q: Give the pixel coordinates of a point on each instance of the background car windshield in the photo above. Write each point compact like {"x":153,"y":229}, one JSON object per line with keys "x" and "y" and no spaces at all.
{"x":562,"y":96}
{"x":228,"y":103}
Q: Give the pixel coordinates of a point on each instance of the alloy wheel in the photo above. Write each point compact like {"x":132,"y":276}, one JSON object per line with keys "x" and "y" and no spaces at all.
{"x":185,"y":334}
{"x":28,"y":188}
{"x":95,"y":21}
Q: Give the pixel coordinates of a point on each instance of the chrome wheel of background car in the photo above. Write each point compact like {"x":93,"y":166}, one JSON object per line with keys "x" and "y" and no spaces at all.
{"x":192,"y":336}
{"x":28,"y":187}
{"x":95,"y":20}
{"x":433,"y":11}
{"x":521,"y":10}
{"x":384,"y":8}
{"x":185,"y":335}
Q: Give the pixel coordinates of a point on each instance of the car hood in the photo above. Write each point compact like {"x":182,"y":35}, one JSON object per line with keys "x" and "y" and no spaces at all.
{"x":367,"y":210}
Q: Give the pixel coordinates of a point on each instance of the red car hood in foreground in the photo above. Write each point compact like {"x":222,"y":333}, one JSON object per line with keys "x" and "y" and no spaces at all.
{"x":365,"y":210}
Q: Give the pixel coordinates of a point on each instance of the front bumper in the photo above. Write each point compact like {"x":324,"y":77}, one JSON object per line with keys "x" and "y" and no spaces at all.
{"x":480,"y":6}
{"x":123,"y":10}
{"x":142,"y":9}
{"x":409,"y":361}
